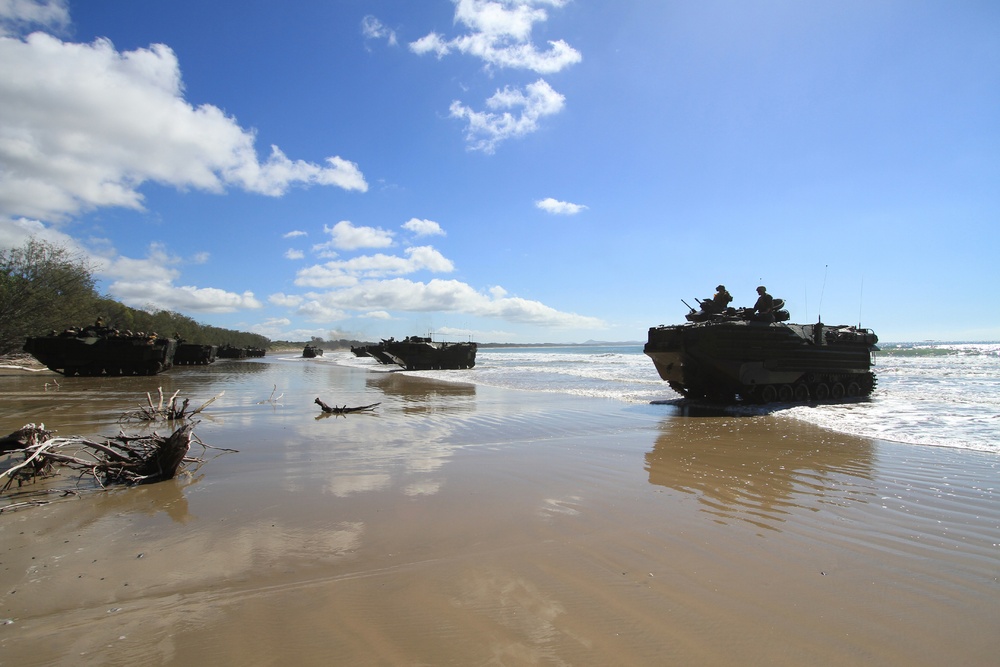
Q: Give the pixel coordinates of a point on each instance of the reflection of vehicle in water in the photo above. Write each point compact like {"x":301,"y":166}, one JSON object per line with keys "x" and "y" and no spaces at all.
{"x":310,"y":351}
{"x":727,"y":356}
{"x":91,"y":352}
{"x":421,"y":353}
{"x":194,"y":354}
{"x":739,"y":469}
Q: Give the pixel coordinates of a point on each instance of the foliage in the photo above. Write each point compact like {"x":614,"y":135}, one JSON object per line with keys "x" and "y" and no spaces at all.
{"x":42,"y":287}
{"x":45,"y":287}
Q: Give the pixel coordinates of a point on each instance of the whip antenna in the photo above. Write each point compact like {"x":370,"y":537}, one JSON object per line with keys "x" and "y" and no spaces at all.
{"x":819,"y":316}
{"x":861,"y":298}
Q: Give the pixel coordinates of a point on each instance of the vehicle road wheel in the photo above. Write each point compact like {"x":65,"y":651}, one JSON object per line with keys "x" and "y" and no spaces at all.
{"x":768,"y":393}
{"x":837,"y":391}
{"x":822,"y":391}
{"x":785,"y":393}
{"x":853,"y":390}
{"x":801,"y":392}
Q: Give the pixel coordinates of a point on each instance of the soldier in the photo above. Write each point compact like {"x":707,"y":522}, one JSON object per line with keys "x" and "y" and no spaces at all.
{"x":719,"y":302}
{"x":761,"y":311}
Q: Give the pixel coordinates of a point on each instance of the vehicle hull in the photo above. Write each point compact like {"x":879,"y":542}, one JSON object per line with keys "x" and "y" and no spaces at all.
{"x":739,"y":360}
{"x":416,"y":353}
{"x":99,"y":355}
{"x":192,"y":354}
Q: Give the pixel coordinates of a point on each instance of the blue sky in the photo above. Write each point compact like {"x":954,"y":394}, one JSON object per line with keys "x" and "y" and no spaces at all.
{"x":512,"y":170}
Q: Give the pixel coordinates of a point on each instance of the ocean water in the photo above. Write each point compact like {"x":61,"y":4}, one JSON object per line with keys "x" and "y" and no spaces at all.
{"x":938,"y":394}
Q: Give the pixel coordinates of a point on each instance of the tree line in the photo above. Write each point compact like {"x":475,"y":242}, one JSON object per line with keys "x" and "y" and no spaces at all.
{"x":45,"y":287}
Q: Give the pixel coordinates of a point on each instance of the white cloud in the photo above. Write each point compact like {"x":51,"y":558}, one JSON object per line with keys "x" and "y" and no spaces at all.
{"x":372,"y":28}
{"x":295,"y":233}
{"x":550,"y":205}
{"x":345,"y":236}
{"x":423,"y":227}
{"x":18,"y":15}
{"x":486,"y":129}
{"x":317,"y":312}
{"x":346,"y":272}
{"x":83,"y":126}
{"x":291,"y":253}
{"x":276,"y":328}
{"x":324,"y":276}
{"x":150,"y":282}
{"x":288,"y":301}
{"x":499,"y":33}
{"x":400,"y":294}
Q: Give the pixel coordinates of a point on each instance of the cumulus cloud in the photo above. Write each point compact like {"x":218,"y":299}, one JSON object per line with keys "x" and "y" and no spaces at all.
{"x":400,"y":294}
{"x":423,"y":227}
{"x":511,"y":113}
{"x":554,"y":206}
{"x":372,"y":28}
{"x":348,"y":272}
{"x":18,"y":16}
{"x":292,"y":253}
{"x":84,"y":126}
{"x":150,"y":282}
{"x":288,"y":301}
{"x":345,"y":236}
{"x":373,"y":286}
{"x":499,"y":33}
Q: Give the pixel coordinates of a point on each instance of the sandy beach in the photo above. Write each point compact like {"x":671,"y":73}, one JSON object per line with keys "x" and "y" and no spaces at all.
{"x":462,"y":525}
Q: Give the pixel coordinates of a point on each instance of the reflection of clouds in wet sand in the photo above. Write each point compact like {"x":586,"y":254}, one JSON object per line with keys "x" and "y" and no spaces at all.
{"x":108,"y":587}
{"x":554,"y":506}
{"x":525,"y":613}
{"x":411,"y":434}
{"x":346,"y":485}
{"x":423,"y":488}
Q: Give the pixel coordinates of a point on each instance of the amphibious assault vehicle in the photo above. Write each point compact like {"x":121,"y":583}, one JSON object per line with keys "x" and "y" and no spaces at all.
{"x":421,"y":354}
{"x":189,"y":354}
{"x":89,"y":352}
{"x":311,"y":351}
{"x":730,"y":357}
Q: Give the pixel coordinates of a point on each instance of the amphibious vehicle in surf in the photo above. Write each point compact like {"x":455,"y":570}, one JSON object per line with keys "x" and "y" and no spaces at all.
{"x":420,"y":353}
{"x":730,"y":357}
{"x":311,"y":351}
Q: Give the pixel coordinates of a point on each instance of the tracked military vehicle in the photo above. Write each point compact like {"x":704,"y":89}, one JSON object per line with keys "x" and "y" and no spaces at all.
{"x":189,"y":354}
{"x":730,"y":357}
{"x":421,"y":353}
{"x":92,"y":353}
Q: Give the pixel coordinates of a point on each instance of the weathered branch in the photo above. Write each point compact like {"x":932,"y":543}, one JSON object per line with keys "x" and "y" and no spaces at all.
{"x":120,"y":460}
{"x":344,"y":410}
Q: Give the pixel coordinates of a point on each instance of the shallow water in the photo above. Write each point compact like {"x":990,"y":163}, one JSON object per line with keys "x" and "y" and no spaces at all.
{"x":460,"y":523}
{"x":941,"y":394}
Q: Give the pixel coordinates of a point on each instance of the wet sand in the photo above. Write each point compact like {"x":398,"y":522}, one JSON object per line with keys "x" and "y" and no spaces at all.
{"x":470,"y":526}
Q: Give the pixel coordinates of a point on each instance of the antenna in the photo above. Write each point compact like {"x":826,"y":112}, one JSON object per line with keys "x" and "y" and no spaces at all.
{"x":861,"y":299}
{"x":819,"y":315}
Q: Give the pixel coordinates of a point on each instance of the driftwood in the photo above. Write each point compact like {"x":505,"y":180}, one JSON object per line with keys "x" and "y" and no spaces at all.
{"x":345,"y":410}
{"x":271,"y":399}
{"x":120,"y":460}
{"x":168,"y":411}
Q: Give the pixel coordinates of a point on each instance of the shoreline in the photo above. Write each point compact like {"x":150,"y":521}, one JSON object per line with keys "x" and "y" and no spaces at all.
{"x":471,"y":525}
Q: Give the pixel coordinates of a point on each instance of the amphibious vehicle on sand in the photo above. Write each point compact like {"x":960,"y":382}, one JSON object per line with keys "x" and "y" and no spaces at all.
{"x":729,"y":357}
{"x":92,"y":353}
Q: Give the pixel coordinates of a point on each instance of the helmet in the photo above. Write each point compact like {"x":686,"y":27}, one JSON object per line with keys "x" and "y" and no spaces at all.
{"x":720,"y":287}
{"x":761,"y":288}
